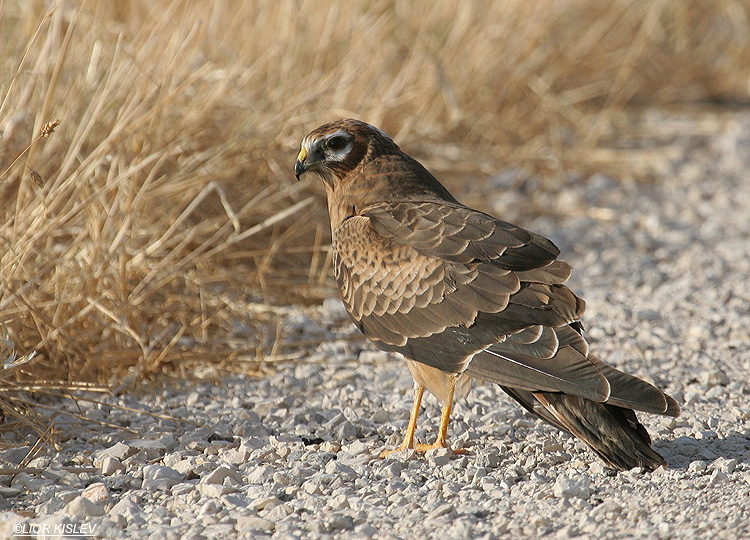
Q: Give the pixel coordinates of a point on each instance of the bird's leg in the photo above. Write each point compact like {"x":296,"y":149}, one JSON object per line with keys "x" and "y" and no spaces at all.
{"x":412,"y":426}
{"x":445,"y":417}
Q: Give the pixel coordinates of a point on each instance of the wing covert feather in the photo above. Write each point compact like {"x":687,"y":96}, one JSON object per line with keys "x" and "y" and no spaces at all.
{"x":460,"y":291}
{"x":459,"y":234}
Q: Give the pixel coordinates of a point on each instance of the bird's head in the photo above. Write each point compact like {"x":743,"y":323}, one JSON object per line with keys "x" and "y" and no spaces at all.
{"x":360,"y":166}
{"x":336,"y":149}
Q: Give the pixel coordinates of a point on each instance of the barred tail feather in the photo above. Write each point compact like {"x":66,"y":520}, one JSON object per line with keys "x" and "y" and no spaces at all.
{"x":613,"y":432}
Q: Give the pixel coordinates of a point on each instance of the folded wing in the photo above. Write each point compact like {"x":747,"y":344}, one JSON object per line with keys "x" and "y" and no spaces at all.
{"x":458,"y":290}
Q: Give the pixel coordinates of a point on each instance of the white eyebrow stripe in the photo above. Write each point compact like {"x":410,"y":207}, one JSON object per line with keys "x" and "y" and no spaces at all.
{"x":340,"y":133}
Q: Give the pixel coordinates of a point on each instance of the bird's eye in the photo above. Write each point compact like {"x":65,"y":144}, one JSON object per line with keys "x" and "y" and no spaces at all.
{"x":336,"y":143}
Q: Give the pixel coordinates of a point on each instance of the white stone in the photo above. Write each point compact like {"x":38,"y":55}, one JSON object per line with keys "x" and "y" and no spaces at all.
{"x":265,"y":502}
{"x":339,"y":521}
{"x":260,"y":474}
{"x":96,"y":493}
{"x":724,"y":465}
{"x":216,"y":490}
{"x":330,"y":446}
{"x":182,"y":488}
{"x":128,"y":506}
{"x":118,"y":450}
{"x":717,"y":477}
{"x":81,"y":507}
{"x":110,"y":465}
{"x":439,"y":456}
{"x":339,"y":469}
{"x":566,"y":487}
{"x":277,"y":513}
{"x":220,"y":474}
{"x":159,"y":477}
{"x":236,"y":456}
{"x":254,"y":523}
{"x":442,"y":510}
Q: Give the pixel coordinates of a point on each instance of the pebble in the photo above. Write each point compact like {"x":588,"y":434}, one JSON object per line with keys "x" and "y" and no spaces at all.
{"x":110,"y":465}
{"x":567,"y":487}
{"x":717,"y":477}
{"x":441,"y":510}
{"x":220,"y":474}
{"x":159,"y":477}
{"x":715,"y":377}
{"x":216,"y":490}
{"x":262,"y":502}
{"x":118,"y":450}
{"x":277,"y":513}
{"x":81,"y":507}
{"x":724,"y":465}
{"x":340,"y":470}
{"x":219,"y":530}
{"x":439,"y":456}
{"x":128,"y":506}
{"x":339,"y":521}
{"x":259,"y":474}
{"x":254,"y":523}
{"x":97,"y":493}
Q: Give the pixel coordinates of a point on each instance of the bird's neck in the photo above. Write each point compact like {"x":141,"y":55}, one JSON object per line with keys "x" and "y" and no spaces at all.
{"x":339,"y":206}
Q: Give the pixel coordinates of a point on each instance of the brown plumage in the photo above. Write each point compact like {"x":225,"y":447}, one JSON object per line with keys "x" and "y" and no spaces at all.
{"x":463,"y":295}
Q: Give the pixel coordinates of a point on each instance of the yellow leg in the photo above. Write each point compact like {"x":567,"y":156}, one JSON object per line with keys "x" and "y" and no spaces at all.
{"x":445,"y":417}
{"x":412,"y":426}
{"x":440,"y":442}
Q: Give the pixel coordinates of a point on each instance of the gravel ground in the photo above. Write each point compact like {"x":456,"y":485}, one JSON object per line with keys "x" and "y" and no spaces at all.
{"x":665,"y":270}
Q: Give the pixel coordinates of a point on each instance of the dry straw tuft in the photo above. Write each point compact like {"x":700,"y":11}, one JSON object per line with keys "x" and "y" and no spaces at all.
{"x":169,"y":222}
{"x":46,"y":131}
{"x":49,"y":128}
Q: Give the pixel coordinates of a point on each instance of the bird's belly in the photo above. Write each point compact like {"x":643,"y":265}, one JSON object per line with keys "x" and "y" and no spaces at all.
{"x":438,"y":382}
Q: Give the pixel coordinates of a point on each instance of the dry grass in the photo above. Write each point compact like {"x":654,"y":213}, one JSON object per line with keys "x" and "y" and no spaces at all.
{"x":161,"y":220}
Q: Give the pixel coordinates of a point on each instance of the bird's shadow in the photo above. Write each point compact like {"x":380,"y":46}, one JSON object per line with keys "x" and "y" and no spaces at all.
{"x":682,"y":451}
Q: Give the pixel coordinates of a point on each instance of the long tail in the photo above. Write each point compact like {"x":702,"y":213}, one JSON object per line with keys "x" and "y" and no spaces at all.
{"x":613,"y":432}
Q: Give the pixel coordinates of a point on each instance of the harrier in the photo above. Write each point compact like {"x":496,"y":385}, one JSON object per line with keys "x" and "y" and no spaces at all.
{"x":463,"y":295}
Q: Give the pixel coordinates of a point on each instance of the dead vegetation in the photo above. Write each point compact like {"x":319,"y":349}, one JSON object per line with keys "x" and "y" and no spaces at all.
{"x":160,"y":223}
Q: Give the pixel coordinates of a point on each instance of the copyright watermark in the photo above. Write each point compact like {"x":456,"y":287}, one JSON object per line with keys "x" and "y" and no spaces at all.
{"x":51,"y":530}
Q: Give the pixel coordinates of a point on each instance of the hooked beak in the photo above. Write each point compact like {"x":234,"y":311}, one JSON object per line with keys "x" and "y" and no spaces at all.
{"x":299,"y":165}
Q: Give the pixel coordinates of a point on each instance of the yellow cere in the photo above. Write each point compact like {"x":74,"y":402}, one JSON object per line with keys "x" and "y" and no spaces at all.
{"x":302,"y":156}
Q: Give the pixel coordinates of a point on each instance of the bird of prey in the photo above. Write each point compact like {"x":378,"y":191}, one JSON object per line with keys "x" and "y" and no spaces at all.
{"x":464,"y":295}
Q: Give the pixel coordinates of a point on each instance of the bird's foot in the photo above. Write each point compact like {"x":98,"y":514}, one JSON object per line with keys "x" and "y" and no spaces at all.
{"x":422,"y":448}
{"x":385,"y":453}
